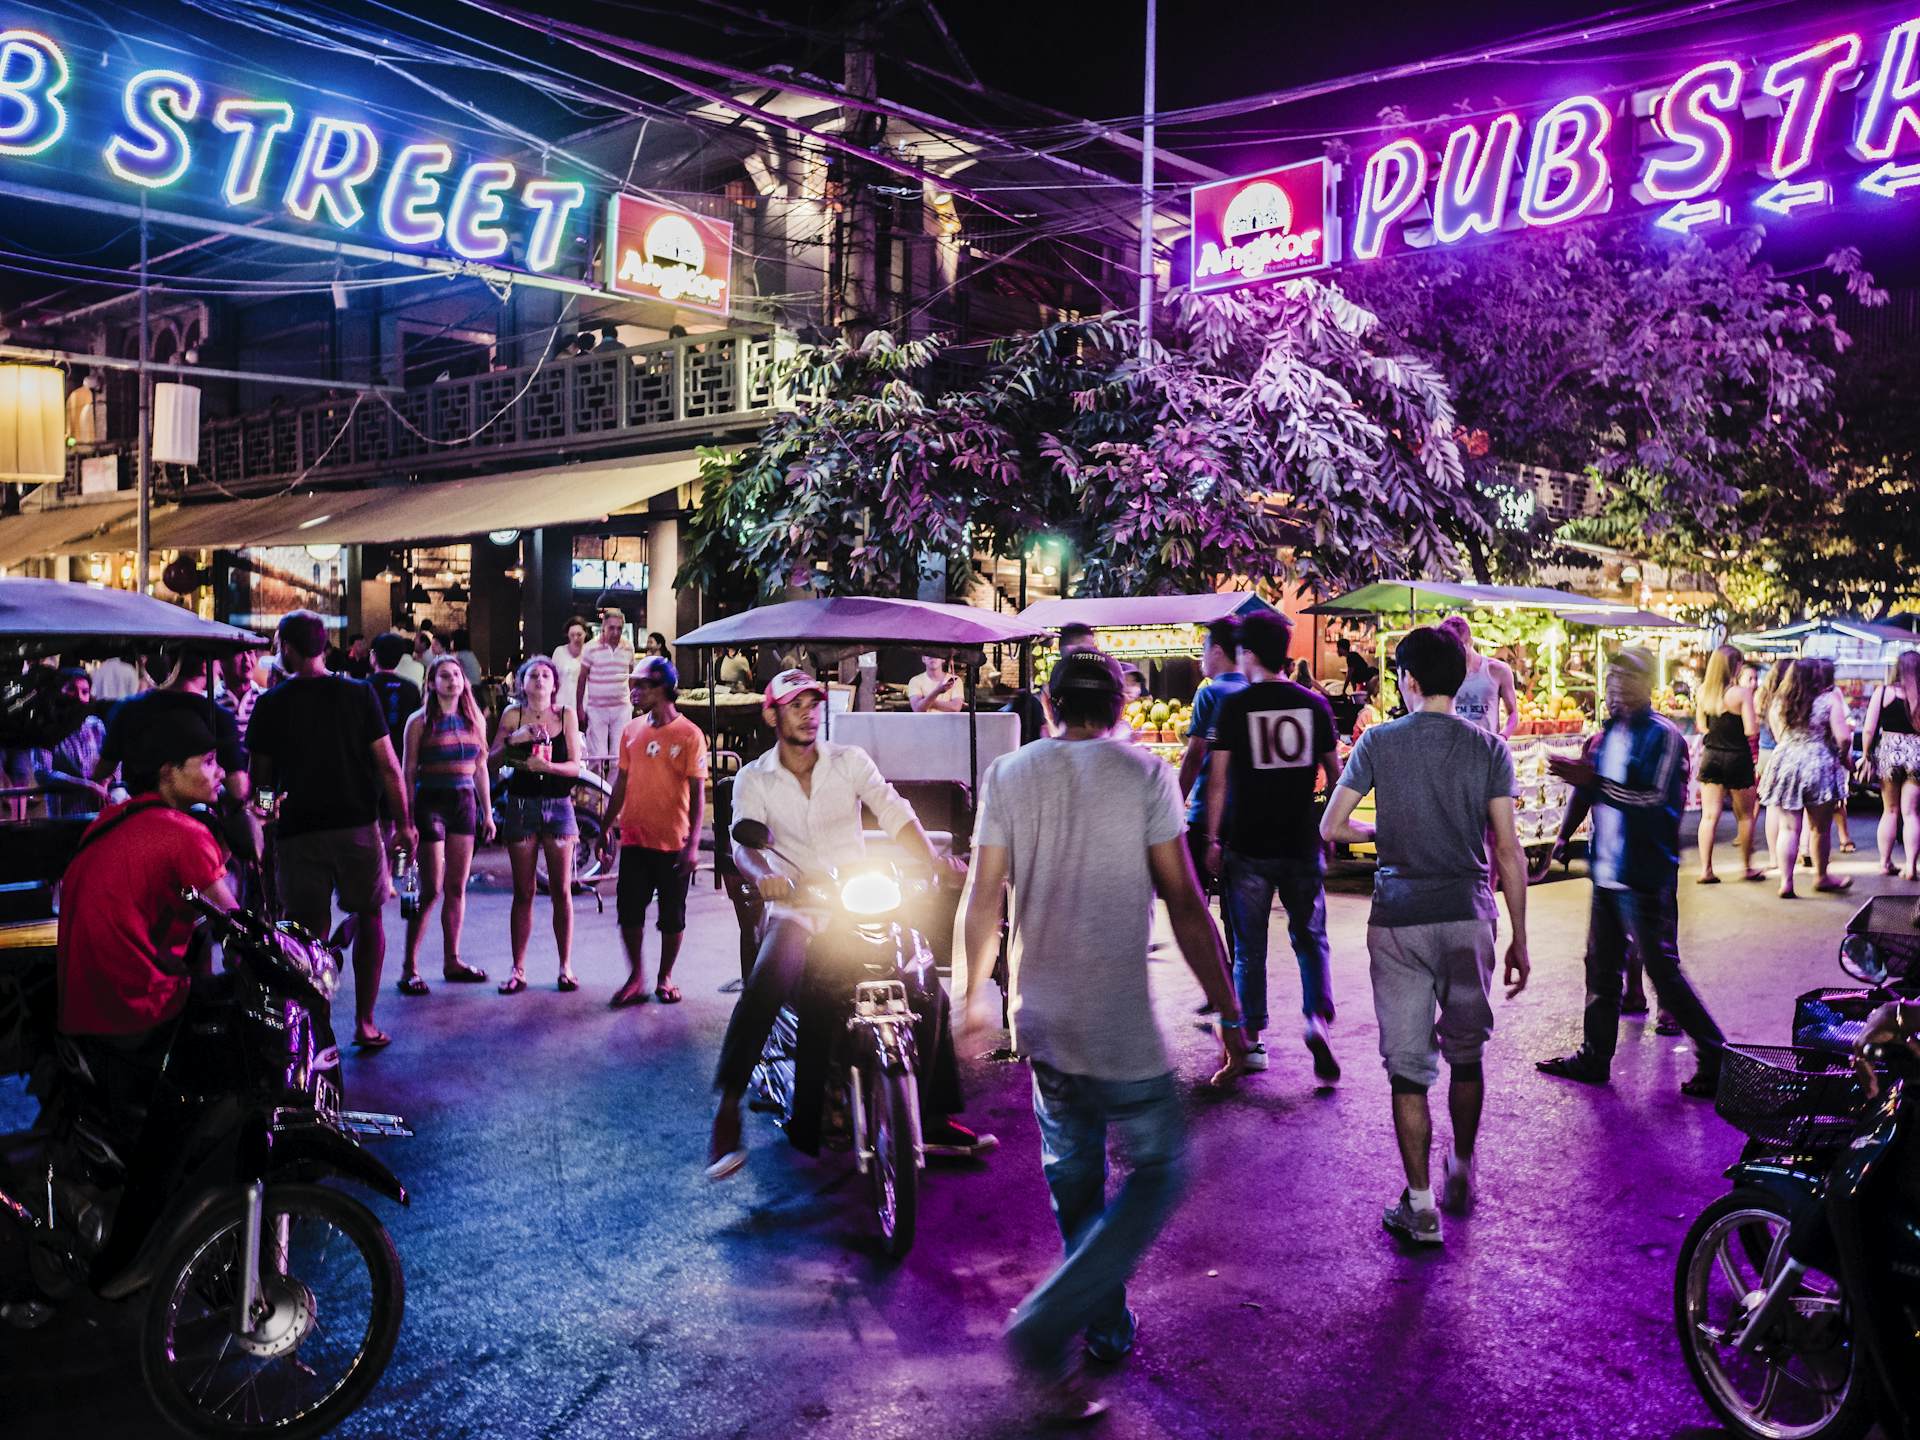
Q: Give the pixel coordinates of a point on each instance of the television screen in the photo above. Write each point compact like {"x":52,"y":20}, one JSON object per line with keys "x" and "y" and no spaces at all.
{"x":589,"y":574}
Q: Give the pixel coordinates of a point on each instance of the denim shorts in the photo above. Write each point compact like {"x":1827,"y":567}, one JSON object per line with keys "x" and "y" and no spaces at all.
{"x":533,"y":817}
{"x":439,"y":813}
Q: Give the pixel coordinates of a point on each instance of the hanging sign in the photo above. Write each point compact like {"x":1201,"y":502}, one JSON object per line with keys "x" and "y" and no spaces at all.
{"x":1263,"y":227}
{"x":655,"y":252}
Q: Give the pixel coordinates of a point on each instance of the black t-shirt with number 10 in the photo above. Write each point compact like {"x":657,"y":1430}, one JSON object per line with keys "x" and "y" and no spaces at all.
{"x":1273,"y":734}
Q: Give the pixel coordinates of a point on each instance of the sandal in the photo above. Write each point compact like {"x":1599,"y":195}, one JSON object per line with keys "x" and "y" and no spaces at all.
{"x":412,"y":985}
{"x":1756,"y":874}
{"x":379,"y":1040}
{"x":1835,"y":884}
{"x":513,"y":984}
{"x":667,"y":994}
{"x":1706,"y":880}
{"x":1578,"y":1066}
{"x":1847,"y":847}
{"x":462,"y":974}
{"x":566,"y":984}
{"x":621,"y":1001}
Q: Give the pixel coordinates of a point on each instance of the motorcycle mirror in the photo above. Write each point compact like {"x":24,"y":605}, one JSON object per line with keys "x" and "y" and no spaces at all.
{"x":1860,"y":958}
{"x":753,"y":834}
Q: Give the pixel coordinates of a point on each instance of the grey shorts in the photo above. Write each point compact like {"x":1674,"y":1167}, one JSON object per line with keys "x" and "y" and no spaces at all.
{"x":1432,"y":989}
{"x":316,"y":868}
{"x":530,"y":817}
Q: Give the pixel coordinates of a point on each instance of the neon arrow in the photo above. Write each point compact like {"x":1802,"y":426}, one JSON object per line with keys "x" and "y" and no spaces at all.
{"x":1890,"y":179}
{"x":1787,"y":196}
{"x":1688,"y":213}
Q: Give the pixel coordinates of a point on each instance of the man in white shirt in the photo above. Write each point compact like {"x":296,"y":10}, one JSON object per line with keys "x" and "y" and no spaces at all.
{"x":809,"y":793}
{"x":935,"y":688}
{"x":566,"y":661}
{"x":116,"y":677}
{"x":600,"y":693}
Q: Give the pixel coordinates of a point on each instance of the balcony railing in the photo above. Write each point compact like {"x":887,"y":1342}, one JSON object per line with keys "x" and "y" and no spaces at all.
{"x":602,"y":402}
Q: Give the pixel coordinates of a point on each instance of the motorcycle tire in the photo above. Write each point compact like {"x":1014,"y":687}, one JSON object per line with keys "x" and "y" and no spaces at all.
{"x":1850,"y":1419}
{"x":894,"y":1171}
{"x":386,"y":1303}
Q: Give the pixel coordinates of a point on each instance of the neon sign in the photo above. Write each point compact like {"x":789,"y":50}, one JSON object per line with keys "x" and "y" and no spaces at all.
{"x":1262,"y":227}
{"x":1759,"y":137}
{"x":657,"y":253}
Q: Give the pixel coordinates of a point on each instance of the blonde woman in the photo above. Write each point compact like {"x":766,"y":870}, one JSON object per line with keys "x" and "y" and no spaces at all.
{"x":1729,"y":726}
{"x":1764,"y":694}
{"x":1806,"y":780}
{"x":446,"y":771}
{"x":1891,"y":745}
{"x":540,"y":739}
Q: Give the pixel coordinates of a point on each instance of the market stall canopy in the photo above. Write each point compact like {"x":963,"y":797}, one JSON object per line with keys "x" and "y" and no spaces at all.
{"x":1791,"y":637}
{"x":41,"y":532}
{"x":59,"y":615}
{"x":1625,"y":620}
{"x":1115,"y":611}
{"x":1393,"y":597}
{"x":860,"y":622}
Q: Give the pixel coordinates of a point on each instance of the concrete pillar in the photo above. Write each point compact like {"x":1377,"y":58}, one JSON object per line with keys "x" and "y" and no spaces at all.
{"x":663,"y":563}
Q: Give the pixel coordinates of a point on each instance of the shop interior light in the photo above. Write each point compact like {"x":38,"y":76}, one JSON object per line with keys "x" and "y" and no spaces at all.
{"x":417,"y":595}
{"x":323,"y":552}
{"x":503,"y":537}
{"x":456,"y":594}
{"x":389,"y":576}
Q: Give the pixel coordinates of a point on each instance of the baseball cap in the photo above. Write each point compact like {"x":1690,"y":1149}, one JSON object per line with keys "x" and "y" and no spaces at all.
{"x":656,"y":667}
{"x":1085,"y":672}
{"x":790,"y":685}
{"x":169,"y":738}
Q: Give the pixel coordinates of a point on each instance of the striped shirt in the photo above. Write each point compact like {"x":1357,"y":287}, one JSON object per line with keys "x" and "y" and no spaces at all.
{"x":606,"y":668}
{"x":449,"y":749}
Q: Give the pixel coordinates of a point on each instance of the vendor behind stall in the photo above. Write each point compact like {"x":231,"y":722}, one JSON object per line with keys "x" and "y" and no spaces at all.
{"x":936,"y":688}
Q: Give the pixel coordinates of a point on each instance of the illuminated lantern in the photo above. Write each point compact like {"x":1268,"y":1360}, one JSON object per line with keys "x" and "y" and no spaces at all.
{"x":33,"y":423}
{"x":176,"y":424}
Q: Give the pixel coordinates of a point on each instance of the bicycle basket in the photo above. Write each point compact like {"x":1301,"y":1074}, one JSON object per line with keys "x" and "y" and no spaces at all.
{"x":1788,"y":1097}
{"x":1888,"y":922}
{"x":1833,"y":1020}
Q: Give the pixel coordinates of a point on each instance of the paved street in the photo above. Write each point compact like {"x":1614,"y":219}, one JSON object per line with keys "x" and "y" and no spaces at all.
{"x":571,"y":1274}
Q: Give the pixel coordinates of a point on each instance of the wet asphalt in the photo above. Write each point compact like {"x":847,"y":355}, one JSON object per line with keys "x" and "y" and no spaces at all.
{"x":570,"y":1273}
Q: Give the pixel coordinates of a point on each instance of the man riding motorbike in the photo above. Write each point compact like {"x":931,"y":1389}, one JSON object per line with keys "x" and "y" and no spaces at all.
{"x":809,"y":792}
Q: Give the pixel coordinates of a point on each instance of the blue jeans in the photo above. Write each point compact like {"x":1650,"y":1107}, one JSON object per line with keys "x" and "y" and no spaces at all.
{"x":1252,"y":882}
{"x":1103,"y":1242}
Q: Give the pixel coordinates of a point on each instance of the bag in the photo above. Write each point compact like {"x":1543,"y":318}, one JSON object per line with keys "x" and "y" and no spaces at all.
{"x":35,"y":713}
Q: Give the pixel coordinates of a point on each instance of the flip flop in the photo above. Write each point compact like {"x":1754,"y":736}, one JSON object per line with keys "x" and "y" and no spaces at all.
{"x":512,"y":985}
{"x":412,"y":985}
{"x":667,"y":994}
{"x":379,"y":1040}
{"x":1756,"y":874}
{"x":623,"y":1002}
{"x":727,"y":1165}
{"x":1835,"y":884}
{"x":462,"y":974}
{"x":566,"y":984}
{"x":1706,"y":880}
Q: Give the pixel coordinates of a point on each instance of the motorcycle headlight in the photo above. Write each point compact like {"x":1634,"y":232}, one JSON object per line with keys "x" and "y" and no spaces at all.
{"x":870,"y":893}
{"x":311,"y":959}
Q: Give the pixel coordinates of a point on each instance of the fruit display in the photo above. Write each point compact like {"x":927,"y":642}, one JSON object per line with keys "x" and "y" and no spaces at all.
{"x":1541,"y":800}
{"x":1152,"y":640}
{"x":1550,"y":715}
{"x":1673,"y":704}
{"x":1159,"y":722}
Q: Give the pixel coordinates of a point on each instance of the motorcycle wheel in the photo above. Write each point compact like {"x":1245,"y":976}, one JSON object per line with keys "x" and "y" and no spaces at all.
{"x":329,"y":1269}
{"x":893,"y":1171}
{"x":1806,"y":1381}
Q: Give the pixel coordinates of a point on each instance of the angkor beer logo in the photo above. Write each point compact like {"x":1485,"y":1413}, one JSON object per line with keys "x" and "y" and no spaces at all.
{"x":664,"y":254}
{"x":1267,"y":226}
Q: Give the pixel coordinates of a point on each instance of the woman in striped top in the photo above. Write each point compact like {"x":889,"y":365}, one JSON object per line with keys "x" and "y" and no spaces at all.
{"x":446,"y":769}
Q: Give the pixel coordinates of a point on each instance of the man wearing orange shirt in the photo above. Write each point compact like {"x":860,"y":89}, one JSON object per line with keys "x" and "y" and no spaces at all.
{"x":659,"y":802}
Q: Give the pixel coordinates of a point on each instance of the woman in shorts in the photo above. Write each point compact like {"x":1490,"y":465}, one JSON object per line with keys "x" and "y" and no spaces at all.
{"x":1729,"y":729}
{"x":540,"y":740}
{"x":1892,"y":749}
{"x":446,"y":772}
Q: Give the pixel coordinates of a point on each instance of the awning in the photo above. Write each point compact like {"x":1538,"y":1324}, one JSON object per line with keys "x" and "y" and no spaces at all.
{"x":1627,"y":620}
{"x":42,"y":532}
{"x":225,"y":526}
{"x":1790,"y":637}
{"x":1118,"y":610}
{"x":1398,"y":597}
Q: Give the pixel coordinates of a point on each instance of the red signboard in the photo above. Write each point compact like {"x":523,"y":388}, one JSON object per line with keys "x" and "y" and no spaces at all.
{"x":655,"y":252}
{"x":1263,"y":227}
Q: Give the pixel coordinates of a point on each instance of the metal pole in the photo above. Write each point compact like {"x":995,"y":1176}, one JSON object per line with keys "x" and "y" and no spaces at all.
{"x":1146,"y":187}
{"x":143,"y":479}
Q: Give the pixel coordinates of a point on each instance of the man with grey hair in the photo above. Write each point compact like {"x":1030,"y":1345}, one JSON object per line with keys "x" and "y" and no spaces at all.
{"x":1637,"y":783}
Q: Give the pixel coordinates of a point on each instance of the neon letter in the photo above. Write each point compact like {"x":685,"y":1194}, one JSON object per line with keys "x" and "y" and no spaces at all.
{"x":1382,"y":200}
{"x":156,"y":102}
{"x":1889,"y":109}
{"x":253,"y":124}
{"x":1805,"y":83}
{"x":1568,"y":140}
{"x":32,"y":73}
{"x":554,"y":200}
{"x":473,"y":222}
{"x":1685,"y":116}
{"x":328,"y":172}
{"x":1471,"y":195}
{"x":411,"y":186}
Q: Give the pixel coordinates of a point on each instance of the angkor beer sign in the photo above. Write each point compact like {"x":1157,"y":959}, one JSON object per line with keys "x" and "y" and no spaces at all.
{"x":1732,"y":138}
{"x":657,"y":253}
{"x":1263,"y":227}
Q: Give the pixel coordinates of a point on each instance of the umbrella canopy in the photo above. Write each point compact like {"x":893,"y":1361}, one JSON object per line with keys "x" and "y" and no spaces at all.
{"x":1391,"y":597}
{"x":1106,"y":612}
{"x":1790,"y":637}
{"x":49,"y":615}
{"x":1626,"y":620}
{"x":861,"y":622}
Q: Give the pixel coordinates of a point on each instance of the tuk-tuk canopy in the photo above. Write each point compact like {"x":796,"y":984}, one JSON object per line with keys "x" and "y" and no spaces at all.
{"x":1112,"y":612}
{"x":45,"y":616}
{"x":864,"y":622}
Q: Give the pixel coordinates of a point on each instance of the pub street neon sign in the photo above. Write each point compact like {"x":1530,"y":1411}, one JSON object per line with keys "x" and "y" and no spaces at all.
{"x":1798,"y":123}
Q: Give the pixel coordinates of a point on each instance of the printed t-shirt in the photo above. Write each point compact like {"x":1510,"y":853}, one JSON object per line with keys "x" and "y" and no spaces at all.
{"x":658,"y":761}
{"x":123,"y":926}
{"x":319,"y":731}
{"x":1273,"y":735}
{"x":399,"y":697}
{"x":606,"y":668}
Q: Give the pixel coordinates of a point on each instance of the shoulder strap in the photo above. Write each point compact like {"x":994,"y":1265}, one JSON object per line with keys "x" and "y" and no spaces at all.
{"x":135,"y":807}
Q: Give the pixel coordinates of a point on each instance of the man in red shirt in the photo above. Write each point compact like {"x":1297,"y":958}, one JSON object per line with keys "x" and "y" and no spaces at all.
{"x":123,"y":927}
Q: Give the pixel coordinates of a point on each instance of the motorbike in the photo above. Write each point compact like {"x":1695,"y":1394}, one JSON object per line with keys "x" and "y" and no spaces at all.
{"x":272,"y":1301}
{"x":866,"y":968}
{"x":1797,"y":1294}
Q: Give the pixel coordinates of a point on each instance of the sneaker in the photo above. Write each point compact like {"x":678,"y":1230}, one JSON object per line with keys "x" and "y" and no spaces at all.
{"x":1422,"y":1227}
{"x":1104,"y":1350}
{"x":1324,"y":1065}
{"x":951,"y":1138}
{"x":1456,"y":1186}
{"x":1256,"y":1056}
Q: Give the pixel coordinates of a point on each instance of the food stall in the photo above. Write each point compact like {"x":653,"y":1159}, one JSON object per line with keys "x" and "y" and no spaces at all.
{"x":1160,"y":635}
{"x":1862,"y":651}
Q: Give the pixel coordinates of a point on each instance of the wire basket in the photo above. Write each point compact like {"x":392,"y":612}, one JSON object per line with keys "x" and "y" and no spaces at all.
{"x":1888,"y":921}
{"x":1832,"y":1021}
{"x":1788,"y":1097}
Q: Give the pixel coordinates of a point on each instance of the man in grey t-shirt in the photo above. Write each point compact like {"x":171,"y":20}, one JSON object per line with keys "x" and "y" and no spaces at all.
{"x":1440,"y":786}
{"x":1086,"y":830}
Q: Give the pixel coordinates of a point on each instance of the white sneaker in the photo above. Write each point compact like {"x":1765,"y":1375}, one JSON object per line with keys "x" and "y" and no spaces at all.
{"x":1256,"y":1057}
{"x":1456,"y":1186}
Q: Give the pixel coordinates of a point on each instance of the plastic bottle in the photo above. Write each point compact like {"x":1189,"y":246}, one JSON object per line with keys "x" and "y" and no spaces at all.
{"x":409,"y":886}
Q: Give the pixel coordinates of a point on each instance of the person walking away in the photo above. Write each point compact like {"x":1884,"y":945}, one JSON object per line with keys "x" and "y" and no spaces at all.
{"x":462,"y":650}
{"x":447,"y":776}
{"x":1638,"y":787}
{"x":322,"y":742}
{"x":1728,"y":723}
{"x":399,"y":698}
{"x":1488,"y":688}
{"x":1222,"y":679}
{"x":658,"y":806}
{"x":1086,"y":831}
{"x":600,"y":692}
{"x":541,"y":741}
{"x":566,"y":663}
{"x":1892,"y":752}
{"x":1764,"y":694}
{"x":1806,"y":780}
{"x":185,"y":692}
{"x":935,"y":688}
{"x":1441,"y":785}
{"x":1275,"y":740}
{"x":117,"y":678}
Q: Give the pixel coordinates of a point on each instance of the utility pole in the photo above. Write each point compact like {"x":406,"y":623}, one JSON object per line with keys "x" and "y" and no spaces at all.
{"x":859,"y":230}
{"x":1146,"y":187}
{"x":143,"y":464}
